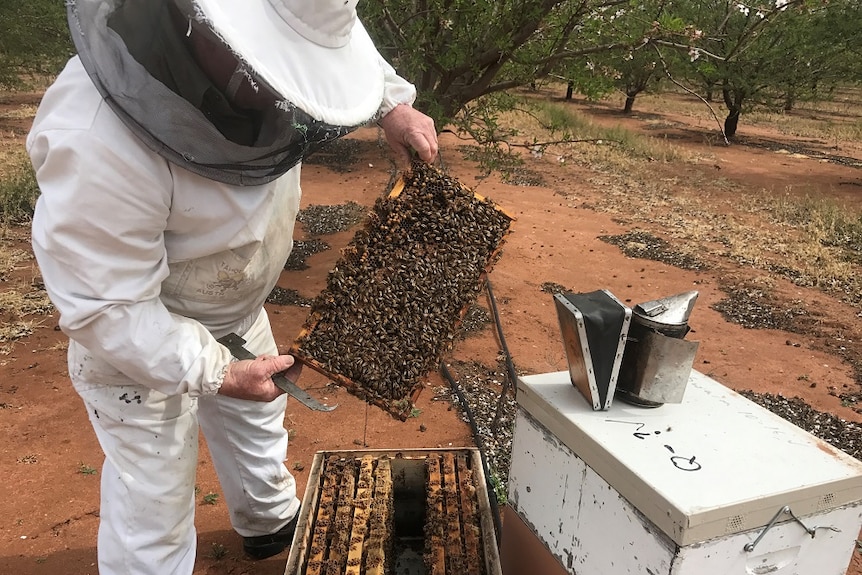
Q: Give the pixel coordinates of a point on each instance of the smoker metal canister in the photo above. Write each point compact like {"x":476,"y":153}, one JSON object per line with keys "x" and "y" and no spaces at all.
{"x":657,"y":361}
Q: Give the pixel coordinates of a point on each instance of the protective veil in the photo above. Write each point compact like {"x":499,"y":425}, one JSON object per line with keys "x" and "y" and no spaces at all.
{"x":137,"y":55}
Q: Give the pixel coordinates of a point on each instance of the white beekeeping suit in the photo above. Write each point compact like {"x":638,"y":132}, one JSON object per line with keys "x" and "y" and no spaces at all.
{"x":166,"y":215}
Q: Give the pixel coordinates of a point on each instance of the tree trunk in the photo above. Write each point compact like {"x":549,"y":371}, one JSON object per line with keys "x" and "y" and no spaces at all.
{"x":731,"y":123}
{"x":635,"y":84}
{"x":570,"y":90}
{"x":733,"y":99}
{"x":711,"y":86}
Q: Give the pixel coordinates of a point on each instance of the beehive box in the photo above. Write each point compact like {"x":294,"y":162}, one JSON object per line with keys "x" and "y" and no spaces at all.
{"x":410,"y":512}
{"x":394,"y":299}
{"x":713,"y":485}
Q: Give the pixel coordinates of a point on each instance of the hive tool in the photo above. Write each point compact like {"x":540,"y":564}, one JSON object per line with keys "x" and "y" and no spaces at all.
{"x":235,"y":344}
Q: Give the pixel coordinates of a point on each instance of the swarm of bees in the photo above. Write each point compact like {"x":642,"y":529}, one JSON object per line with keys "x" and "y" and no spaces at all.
{"x":392,"y":303}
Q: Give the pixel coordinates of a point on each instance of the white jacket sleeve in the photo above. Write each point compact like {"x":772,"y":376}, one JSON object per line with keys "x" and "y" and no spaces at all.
{"x":396,"y":90}
{"x":98,"y":235}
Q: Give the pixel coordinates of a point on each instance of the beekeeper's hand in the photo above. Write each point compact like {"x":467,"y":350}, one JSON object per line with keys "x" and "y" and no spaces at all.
{"x":252,"y":378}
{"x":406,"y":129}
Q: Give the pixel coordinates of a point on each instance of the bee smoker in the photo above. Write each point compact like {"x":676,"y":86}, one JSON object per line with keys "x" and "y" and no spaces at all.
{"x":594,"y":327}
{"x":637,"y":355}
{"x":657,"y":361}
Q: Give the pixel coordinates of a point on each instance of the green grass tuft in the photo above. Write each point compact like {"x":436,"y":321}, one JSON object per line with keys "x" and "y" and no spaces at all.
{"x":18,"y":190}
{"x":561,"y":119}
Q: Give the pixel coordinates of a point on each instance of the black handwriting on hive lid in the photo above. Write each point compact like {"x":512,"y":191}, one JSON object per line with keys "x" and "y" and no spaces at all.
{"x":681,"y":462}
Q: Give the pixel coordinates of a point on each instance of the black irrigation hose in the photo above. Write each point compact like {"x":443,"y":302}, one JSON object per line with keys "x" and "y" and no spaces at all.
{"x":492,"y":494}
{"x":510,"y":367}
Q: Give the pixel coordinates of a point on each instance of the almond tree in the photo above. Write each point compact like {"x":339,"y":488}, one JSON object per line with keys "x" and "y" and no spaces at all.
{"x":458,"y":51}
{"x":822,"y":48}
{"x":631,"y":71}
{"x":744,"y":47}
{"x":34,"y":39}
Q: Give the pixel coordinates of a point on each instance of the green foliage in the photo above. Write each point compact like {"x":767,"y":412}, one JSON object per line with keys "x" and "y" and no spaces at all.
{"x":481,"y":117}
{"x":561,"y":119}
{"x":457,"y":51}
{"x":85,"y":469}
{"x":481,"y":121}
{"x":499,"y":488}
{"x":210,"y":499}
{"x":18,"y":190}
{"x":598,"y":82}
{"x":218,"y":551}
{"x":817,"y":46}
{"x":768,"y":54}
{"x":34,"y":40}
{"x":573,"y":126}
{"x":631,"y":66}
{"x":672,"y":23}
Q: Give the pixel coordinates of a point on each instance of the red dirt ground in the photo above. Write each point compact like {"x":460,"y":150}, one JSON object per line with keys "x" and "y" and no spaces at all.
{"x":50,"y":512}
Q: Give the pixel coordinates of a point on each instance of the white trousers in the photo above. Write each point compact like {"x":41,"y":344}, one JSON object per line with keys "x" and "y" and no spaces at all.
{"x":150,"y":441}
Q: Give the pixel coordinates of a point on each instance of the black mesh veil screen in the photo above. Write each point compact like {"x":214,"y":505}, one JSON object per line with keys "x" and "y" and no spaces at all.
{"x":139,"y":62}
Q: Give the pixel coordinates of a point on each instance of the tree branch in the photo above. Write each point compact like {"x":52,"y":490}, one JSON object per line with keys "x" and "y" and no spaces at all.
{"x":693,"y":93}
{"x":687,"y":47}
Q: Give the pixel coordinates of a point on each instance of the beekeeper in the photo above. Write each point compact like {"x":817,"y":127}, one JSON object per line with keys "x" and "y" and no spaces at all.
{"x":168,"y":155}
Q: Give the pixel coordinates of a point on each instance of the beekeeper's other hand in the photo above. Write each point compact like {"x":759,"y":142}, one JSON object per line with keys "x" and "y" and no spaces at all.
{"x":407,"y":129}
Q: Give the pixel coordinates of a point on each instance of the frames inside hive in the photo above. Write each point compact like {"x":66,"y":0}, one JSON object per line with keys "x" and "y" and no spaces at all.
{"x":453,"y":540}
{"x":352,"y":531}
{"x":393,"y":301}
{"x":374,"y":513}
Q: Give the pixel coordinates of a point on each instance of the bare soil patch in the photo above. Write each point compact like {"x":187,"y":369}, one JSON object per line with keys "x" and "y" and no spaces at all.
{"x":582,"y":224}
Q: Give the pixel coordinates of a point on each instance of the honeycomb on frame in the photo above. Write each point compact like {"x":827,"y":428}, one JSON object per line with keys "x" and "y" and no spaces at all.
{"x":392,"y":303}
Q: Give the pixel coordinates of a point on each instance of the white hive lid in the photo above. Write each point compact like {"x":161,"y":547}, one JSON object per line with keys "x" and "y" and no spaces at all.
{"x":714,"y":464}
